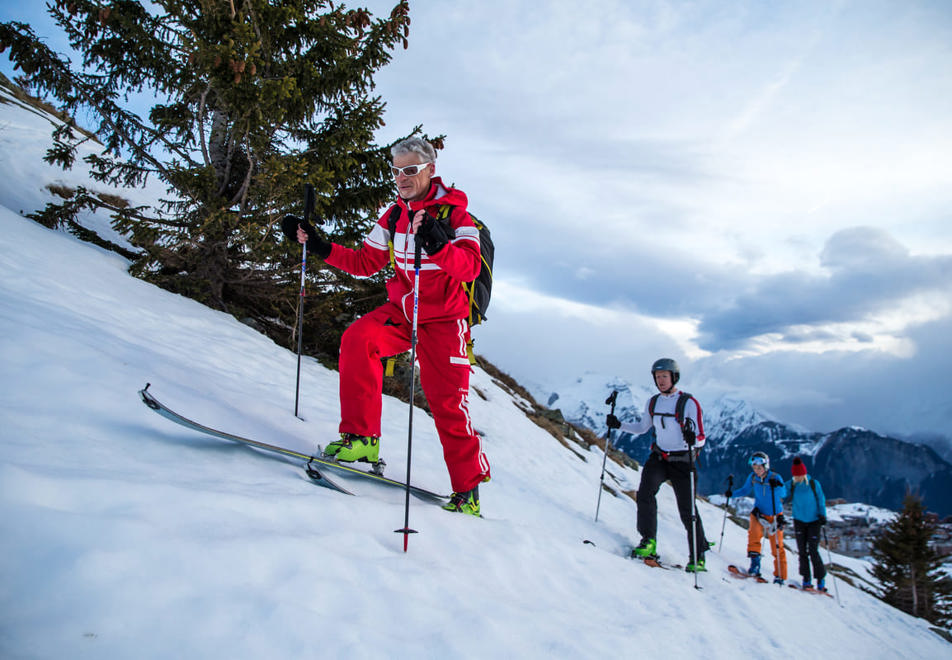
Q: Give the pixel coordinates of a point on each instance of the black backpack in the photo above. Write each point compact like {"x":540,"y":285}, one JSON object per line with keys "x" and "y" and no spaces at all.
{"x":479,"y":290}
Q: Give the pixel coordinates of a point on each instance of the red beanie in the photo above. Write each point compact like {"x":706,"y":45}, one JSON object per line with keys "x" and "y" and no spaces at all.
{"x":798,"y":469}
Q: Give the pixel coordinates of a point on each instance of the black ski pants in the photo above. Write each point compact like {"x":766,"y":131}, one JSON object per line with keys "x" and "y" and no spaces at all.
{"x":808,"y":547}
{"x":655,"y":472}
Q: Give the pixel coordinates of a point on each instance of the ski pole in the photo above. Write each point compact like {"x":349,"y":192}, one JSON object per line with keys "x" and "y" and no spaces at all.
{"x":727,"y":504}
{"x":776,"y":543}
{"x":695,"y":545}
{"x":829,"y":554}
{"x":610,"y":401}
{"x":417,"y":244}
{"x":308,"y":209}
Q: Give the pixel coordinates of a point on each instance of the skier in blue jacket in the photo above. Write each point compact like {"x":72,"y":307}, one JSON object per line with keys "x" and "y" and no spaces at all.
{"x":809,"y":516}
{"x":766,"y":518}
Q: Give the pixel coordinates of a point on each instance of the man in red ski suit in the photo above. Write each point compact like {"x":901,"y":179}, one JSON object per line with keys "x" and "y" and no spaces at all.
{"x":450,"y":256}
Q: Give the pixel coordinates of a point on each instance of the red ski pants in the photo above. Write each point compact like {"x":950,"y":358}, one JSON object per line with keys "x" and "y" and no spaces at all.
{"x":444,"y":375}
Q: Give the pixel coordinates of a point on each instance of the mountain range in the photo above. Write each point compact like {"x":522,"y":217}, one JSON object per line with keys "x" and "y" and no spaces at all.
{"x":852,"y":463}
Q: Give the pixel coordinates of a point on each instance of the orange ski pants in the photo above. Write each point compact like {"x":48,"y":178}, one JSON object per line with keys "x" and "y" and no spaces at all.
{"x":755,"y":535}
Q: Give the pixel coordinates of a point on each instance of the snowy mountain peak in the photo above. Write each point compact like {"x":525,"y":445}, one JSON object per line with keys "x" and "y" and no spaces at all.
{"x":729,"y":415}
{"x":582,"y":402}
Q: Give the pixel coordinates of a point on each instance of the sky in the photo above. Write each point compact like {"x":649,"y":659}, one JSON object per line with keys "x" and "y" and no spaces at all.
{"x":123,"y":535}
{"x":759,"y":190}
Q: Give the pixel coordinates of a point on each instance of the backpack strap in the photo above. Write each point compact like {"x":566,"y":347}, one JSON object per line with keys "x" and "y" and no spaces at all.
{"x":651,"y":404}
{"x":470,"y":287}
{"x":679,"y":408}
{"x":392,"y":218}
{"x":813,"y":488}
{"x":683,"y":398}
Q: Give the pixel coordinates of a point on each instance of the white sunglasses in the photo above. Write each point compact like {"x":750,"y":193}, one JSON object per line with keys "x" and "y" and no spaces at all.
{"x":409,"y":170}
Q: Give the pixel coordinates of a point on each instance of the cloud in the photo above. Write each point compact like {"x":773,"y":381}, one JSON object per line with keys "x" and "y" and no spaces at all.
{"x":833,"y":389}
{"x":865,"y":273}
{"x":541,"y":339}
{"x":861,"y":249}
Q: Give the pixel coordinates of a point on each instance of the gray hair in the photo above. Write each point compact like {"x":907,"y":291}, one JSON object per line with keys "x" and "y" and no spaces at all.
{"x":417,"y":146}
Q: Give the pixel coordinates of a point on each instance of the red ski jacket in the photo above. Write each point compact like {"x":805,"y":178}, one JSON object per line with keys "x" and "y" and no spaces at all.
{"x":441,"y":276}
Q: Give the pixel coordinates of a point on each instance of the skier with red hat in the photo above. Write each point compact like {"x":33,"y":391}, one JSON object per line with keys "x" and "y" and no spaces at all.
{"x":809,"y":516}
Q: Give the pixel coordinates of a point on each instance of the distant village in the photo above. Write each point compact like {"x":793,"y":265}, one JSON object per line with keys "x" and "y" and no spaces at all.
{"x":858,"y":526}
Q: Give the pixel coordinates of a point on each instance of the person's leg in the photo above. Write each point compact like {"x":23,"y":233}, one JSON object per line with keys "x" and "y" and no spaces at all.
{"x":653,"y":474}
{"x":800,"y":531}
{"x":444,"y":376}
{"x":813,"y":548}
{"x":755,"y":535}
{"x":377,"y":334}
{"x":680,"y":477}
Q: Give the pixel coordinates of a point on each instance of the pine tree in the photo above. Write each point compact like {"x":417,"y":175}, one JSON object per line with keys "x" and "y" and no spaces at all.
{"x":254,"y":99}
{"x":909,"y":569}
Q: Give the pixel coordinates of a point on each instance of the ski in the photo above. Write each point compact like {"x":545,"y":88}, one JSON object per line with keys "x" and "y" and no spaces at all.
{"x":809,"y":590}
{"x":655,"y":562}
{"x":743,"y":575}
{"x":314,"y":464}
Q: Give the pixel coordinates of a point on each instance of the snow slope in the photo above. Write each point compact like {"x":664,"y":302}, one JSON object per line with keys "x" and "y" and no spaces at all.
{"x":123,"y":535}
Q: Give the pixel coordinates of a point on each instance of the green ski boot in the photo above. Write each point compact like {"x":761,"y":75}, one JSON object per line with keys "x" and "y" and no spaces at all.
{"x":352,"y":447}
{"x":696,"y":566}
{"x":467,"y":502}
{"x":647,"y":549}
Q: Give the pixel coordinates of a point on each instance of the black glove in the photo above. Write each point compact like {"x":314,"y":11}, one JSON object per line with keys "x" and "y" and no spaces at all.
{"x":775,"y":482}
{"x":433,"y":234}
{"x":780,"y":521}
{"x":612,"y":422}
{"x":822,"y":520}
{"x":315,"y":243}
{"x":728,"y":493}
{"x":690,"y":437}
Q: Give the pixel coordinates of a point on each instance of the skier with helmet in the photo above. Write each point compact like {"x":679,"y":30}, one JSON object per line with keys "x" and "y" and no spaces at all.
{"x":766,"y":518}
{"x":679,"y":435}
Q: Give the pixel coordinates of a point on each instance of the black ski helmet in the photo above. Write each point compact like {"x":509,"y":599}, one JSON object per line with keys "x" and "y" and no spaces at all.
{"x":667,"y":364}
{"x":760,"y":458}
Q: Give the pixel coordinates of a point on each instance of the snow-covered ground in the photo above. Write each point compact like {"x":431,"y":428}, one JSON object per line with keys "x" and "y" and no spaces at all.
{"x":123,"y":535}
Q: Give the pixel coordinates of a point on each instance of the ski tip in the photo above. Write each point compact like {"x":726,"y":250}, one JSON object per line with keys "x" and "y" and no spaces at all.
{"x":147,"y":398}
